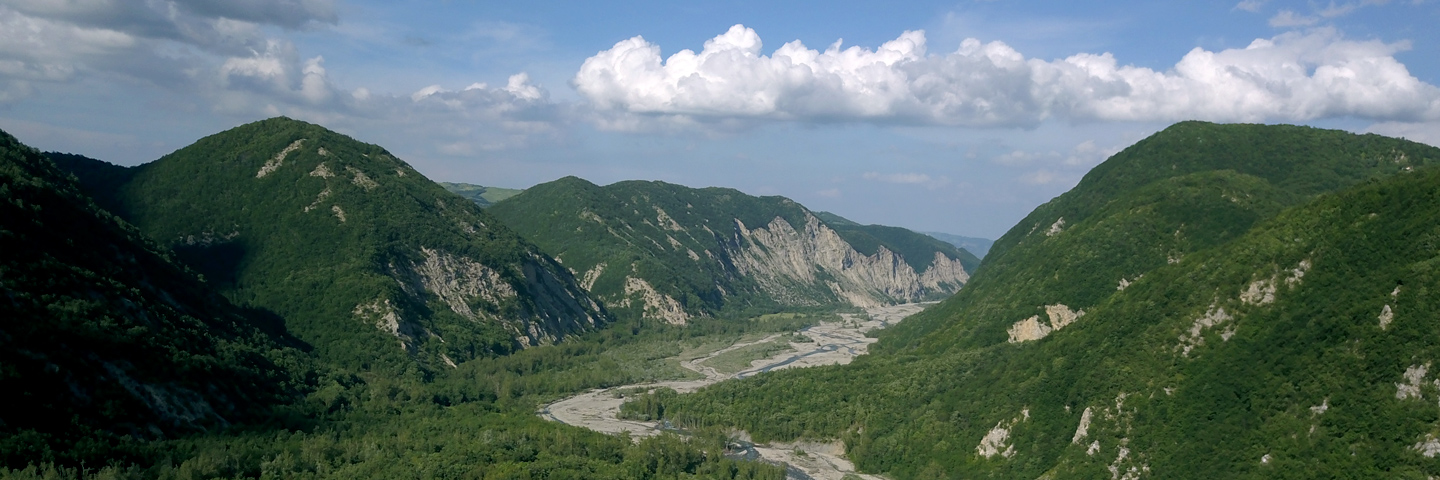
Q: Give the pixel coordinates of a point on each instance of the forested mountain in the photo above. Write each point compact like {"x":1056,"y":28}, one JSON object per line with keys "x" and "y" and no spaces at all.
{"x":670,"y":253}
{"x":1216,"y":301}
{"x":119,"y":362}
{"x":363,"y":257}
{"x":106,"y":340}
{"x":482,"y":195}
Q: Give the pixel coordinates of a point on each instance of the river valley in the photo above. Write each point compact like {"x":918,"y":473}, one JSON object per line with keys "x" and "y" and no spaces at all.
{"x":830,"y":343}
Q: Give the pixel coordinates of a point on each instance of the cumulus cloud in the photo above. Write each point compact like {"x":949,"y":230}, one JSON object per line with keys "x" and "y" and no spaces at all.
{"x":1291,"y":77}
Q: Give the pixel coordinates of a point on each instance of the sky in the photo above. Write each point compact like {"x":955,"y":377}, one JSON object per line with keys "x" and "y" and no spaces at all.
{"x":956,"y":117}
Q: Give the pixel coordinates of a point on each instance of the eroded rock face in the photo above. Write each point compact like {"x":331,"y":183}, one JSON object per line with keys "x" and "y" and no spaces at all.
{"x":1033,"y":329}
{"x":656,"y":305}
{"x":786,"y":262}
{"x":481,"y":293}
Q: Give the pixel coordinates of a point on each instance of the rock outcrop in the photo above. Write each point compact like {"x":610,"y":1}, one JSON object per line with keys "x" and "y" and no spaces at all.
{"x":787,"y":262}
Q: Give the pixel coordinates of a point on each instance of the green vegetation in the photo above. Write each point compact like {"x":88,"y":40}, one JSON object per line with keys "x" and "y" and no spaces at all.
{"x":481,"y":195}
{"x":685,"y":243}
{"x":373,"y":265}
{"x":739,"y":359}
{"x":120,"y":363}
{"x":1279,"y":289}
{"x":917,"y":250}
{"x":105,"y":339}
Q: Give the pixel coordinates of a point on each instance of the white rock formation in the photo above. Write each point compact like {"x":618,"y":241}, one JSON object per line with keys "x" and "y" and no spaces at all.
{"x":1414,"y":377}
{"x":1032,"y":329}
{"x":279,"y":159}
{"x":997,"y":440}
{"x":1056,"y":228}
{"x":655,"y":304}
{"x":1195,"y":336}
{"x":591,"y":276}
{"x":1429,"y":447}
{"x":780,"y":258}
{"x":460,"y":281}
{"x":360,"y":179}
{"x":1084,"y":428}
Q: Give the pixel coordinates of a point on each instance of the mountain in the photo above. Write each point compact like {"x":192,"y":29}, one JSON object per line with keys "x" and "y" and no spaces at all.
{"x":1214,"y":301}
{"x":106,"y":339}
{"x":669,"y":253}
{"x":481,"y":195}
{"x":364,"y":257}
{"x":978,"y":246}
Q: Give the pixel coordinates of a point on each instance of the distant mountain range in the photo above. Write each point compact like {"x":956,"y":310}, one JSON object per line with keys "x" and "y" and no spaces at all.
{"x":481,"y":195}
{"x":979,"y":246}
{"x":669,"y":253}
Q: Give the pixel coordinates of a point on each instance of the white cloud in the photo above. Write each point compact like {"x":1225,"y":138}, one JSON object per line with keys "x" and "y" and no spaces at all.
{"x":1290,"y":77}
{"x":1288,"y":18}
{"x":829,"y":193}
{"x":1252,"y":6}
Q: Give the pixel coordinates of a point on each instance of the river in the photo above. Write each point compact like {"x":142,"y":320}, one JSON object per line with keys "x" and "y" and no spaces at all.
{"x":833,"y":343}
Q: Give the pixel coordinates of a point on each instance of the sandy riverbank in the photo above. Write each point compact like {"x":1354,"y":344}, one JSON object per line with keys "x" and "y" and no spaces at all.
{"x":833,"y":343}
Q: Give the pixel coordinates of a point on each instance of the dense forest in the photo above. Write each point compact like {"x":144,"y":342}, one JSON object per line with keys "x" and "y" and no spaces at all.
{"x":122,"y":362}
{"x":1231,"y":299}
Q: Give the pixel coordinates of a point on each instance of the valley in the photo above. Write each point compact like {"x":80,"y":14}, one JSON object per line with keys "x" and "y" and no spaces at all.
{"x":826,"y":343}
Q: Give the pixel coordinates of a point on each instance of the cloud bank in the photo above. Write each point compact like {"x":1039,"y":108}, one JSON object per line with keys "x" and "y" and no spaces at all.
{"x":1291,"y":77}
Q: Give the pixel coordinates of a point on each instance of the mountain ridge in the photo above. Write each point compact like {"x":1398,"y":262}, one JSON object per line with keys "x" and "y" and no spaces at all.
{"x":279,"y":210}
{"x":683,"y":252}
{"x":1225,"y":320}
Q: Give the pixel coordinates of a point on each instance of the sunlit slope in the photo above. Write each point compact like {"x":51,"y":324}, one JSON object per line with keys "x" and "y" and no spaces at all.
{"x":1190,"y":187}
{"x":670,"y":253}
{"x":105,"y":341}
{"x":364,"y":257}
{"x":1297,"y":339}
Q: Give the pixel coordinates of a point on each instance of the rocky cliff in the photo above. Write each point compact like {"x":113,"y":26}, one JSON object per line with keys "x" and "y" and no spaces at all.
{"x":669,"y":253}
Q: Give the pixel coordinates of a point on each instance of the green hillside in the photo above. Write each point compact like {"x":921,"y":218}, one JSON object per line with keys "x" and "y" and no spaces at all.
{"x":1258,"y":333}
{"x":364,"y":257}
{"x":105,"y":340}
{"x":670,"y":253}
{"x":118,"y":362}
{"x":481,"y":195}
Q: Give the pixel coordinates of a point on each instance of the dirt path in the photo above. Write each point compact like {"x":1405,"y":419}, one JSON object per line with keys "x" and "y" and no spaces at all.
{"x":832,"y":343}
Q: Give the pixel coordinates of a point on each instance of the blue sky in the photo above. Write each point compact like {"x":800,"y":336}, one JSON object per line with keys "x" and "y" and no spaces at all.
{"x":942,"y":116}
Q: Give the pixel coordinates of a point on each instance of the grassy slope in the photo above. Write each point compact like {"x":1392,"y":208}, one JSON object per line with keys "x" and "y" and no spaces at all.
{"x":920,"y":408}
